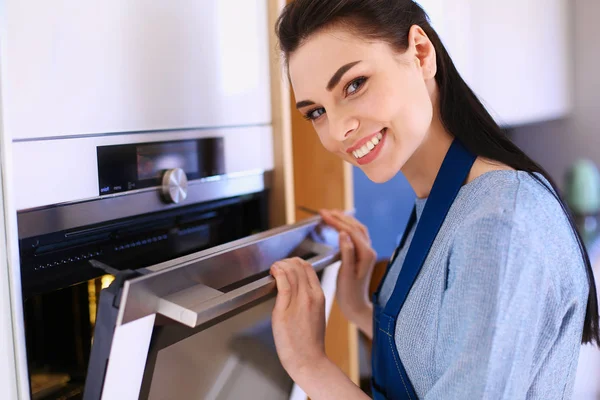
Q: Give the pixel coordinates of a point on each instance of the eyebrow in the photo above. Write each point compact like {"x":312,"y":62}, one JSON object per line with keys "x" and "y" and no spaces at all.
{"x":335,"y":79}
{"x":304,"y":103}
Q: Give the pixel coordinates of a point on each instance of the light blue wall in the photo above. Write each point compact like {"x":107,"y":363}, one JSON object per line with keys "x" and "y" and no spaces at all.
{"x":383,"y":208}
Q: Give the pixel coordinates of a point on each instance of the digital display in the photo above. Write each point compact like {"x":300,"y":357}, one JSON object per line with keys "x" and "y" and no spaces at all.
{"x":135,"y":166}
{"x":154,"y":159}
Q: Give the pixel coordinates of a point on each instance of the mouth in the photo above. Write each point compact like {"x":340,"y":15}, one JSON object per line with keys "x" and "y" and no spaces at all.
{"x":367,"y":149}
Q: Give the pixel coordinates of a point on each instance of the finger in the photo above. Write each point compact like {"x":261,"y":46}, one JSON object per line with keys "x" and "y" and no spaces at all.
{"x":284,"y":290}
{"x":313,"y":279}
{"x":363,"y":251}
{"x":350,"y":220}
{"x":335,"y":222}
{"x":341,"y":221}
{"x":297,"y":265}
{"x":347,"y":252}
{"x":291,"y":276}
{"x":362,"y":242}
{"x":314,"y":292}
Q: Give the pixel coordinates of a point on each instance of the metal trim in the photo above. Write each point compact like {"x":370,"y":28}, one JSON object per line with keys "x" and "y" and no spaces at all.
{"x":64,"y":216}
{"x":155,"y":131}
{"x":190,"y":289}
{"x":200,"y":304}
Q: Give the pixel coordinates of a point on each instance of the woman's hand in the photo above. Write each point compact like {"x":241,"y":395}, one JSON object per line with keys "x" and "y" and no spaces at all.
{"x":298,"y":317}
{"x":299,"y":330}
{"x":358,"y":261}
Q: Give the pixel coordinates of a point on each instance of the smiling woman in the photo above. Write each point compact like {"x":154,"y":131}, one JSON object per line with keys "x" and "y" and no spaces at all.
{"x":355,"y":105}
{"x":490,"y":292}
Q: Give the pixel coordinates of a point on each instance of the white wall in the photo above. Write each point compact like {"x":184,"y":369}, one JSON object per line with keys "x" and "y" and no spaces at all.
{"x":586,"y":121}
{"x":558,"y":144}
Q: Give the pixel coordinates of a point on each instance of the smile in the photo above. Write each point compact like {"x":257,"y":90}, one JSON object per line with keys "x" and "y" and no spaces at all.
{"x":369,"y":145}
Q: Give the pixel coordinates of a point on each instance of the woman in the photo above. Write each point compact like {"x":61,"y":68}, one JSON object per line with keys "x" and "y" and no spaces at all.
{"x":490,"y":293}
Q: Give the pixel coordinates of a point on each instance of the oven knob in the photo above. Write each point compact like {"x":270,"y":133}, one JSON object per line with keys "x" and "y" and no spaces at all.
{"x":174,"y":185}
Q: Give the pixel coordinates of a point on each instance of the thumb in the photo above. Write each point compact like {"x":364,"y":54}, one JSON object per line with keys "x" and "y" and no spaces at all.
{"x":347,"y":253}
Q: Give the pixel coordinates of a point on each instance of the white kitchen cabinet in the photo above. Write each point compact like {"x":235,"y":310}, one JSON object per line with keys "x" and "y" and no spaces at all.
{"x":80,"y":67}
{"x":513,"y":54}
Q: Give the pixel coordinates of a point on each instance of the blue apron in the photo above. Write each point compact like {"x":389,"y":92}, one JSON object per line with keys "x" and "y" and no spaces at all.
{"x":390,"y":380}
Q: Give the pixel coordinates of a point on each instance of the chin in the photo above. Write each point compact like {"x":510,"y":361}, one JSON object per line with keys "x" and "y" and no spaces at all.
{"x":380,"y":176}
{"x":383,"y":171}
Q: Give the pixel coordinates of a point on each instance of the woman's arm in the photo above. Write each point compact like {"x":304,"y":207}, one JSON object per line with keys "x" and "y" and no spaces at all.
{"x":326,"y":381}
{"x":364,"y":320}
{"x":299,"y":331}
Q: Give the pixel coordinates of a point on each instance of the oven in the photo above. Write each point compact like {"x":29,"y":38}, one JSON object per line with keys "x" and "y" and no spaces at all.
{"x":145,"y":273}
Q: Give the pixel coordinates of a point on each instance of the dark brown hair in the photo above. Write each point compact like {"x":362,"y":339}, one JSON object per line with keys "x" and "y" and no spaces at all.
{"x":462,"y":113}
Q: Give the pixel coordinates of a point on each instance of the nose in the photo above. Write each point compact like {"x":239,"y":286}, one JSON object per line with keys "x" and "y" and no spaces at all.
{"x":342,"y":126}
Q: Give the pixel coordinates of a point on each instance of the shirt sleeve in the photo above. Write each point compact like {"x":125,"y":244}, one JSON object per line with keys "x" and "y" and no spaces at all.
{"x":498,"y":301}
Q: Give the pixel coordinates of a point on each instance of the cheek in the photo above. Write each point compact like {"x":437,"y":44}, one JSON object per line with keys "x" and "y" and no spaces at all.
{"x":403,"y":105}
{"x":328,"y":142}
{"x":379,"y":106}
{"x":414,"y":112}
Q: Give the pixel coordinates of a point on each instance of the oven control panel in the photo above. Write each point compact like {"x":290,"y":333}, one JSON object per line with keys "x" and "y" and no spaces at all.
{"x":166,"y":164}
{"x":174,"y":186}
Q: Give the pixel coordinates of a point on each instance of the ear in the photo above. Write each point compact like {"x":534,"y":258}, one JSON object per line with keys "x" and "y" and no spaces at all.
{"x":423,"y":50}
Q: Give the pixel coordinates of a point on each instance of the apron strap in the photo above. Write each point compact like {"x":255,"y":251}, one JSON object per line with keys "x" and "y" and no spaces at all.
{"x":453,"y":173}
{"x":409,"y":225}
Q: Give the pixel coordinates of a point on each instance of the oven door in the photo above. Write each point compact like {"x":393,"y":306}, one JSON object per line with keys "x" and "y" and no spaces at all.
{"x":199,"y":327}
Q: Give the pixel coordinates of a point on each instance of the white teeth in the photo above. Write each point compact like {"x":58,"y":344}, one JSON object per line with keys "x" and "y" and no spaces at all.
{"x":367,"y":147}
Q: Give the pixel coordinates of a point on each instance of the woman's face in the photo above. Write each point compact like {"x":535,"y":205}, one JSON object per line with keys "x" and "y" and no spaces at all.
{"x":369,"y":105}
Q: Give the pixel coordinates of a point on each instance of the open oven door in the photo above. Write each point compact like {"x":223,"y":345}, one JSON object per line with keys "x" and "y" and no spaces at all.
{"x":198,"y":327}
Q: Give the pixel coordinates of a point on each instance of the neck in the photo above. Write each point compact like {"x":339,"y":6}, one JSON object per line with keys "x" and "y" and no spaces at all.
{"x":423,"y":166}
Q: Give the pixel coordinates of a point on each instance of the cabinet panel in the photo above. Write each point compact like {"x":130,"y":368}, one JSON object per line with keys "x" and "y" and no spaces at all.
{"x":72,"y":67}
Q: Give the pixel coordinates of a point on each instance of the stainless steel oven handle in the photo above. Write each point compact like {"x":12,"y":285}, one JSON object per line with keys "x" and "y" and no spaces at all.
{"x":205,"y":304}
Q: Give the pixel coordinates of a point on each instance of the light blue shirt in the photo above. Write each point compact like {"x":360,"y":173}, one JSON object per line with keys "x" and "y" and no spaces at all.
{"x":497,"y":310}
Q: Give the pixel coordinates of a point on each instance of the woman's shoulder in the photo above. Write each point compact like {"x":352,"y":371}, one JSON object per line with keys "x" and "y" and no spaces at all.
{"x":518,"y":213}
{"x":517,"y":198}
